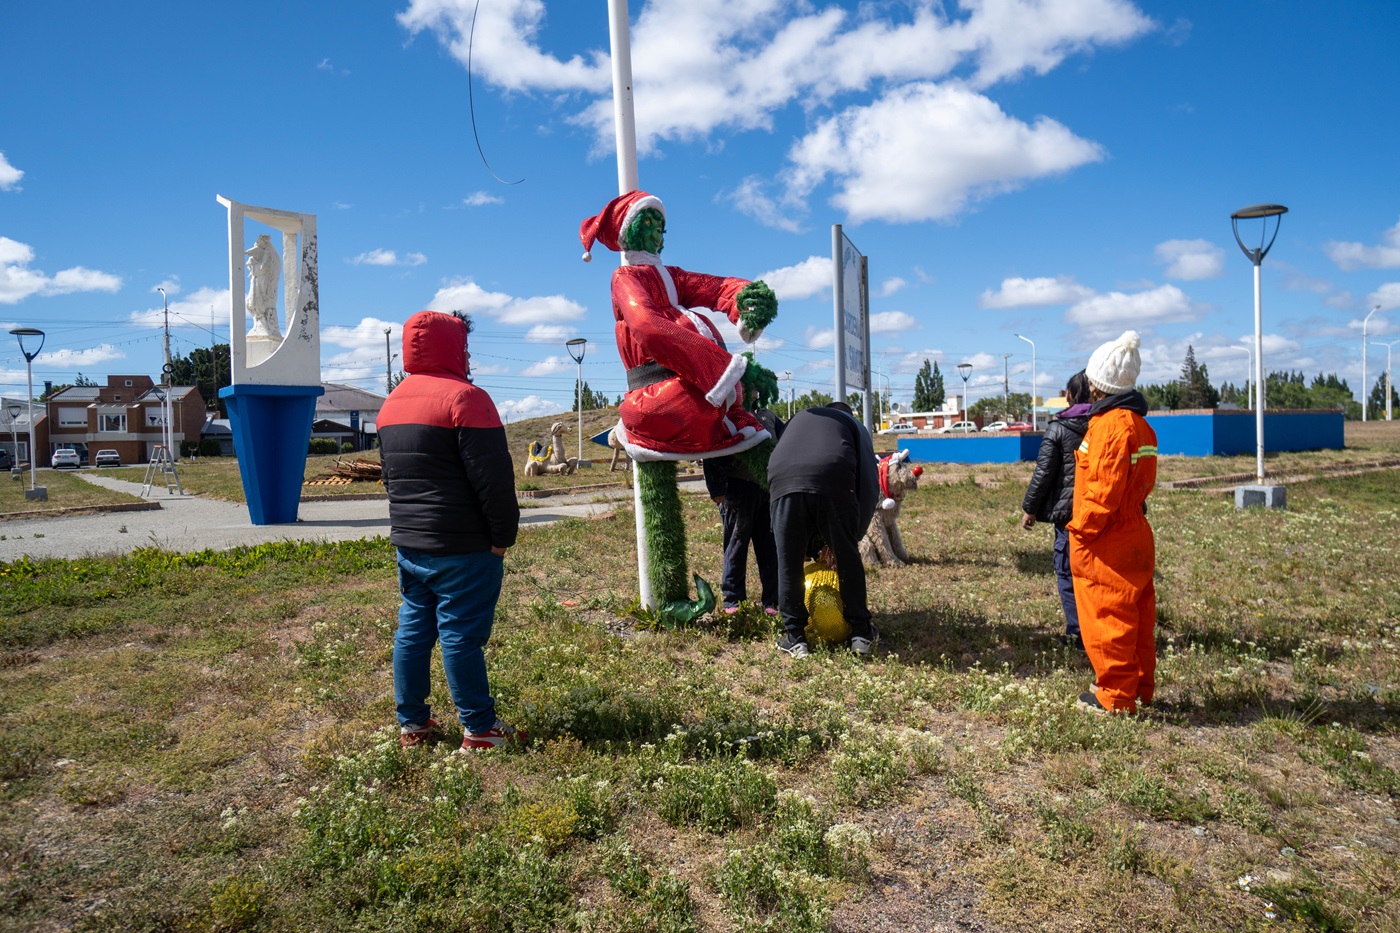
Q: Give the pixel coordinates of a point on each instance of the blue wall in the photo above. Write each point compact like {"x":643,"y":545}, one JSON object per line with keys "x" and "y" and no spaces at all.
{"x":1193,"y":435}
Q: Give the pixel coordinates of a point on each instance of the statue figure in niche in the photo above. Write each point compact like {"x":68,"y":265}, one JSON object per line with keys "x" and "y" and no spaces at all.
{"x":264,"y":269}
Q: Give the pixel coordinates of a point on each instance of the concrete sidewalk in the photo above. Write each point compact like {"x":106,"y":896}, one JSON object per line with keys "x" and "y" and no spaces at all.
{"x":193,"y":523}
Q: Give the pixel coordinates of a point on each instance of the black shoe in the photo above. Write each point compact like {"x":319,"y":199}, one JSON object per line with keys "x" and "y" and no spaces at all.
{"x":793,"y":646}
{"x":1089,"y":701}
{"x":863,"y":648}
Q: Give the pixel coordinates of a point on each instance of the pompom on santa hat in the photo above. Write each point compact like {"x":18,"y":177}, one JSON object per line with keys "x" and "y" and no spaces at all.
{"x":1113,"y":368}
{"x":607,"y":227}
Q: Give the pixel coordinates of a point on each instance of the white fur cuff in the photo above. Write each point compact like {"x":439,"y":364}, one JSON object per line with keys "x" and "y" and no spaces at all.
{"x":721,"y":395}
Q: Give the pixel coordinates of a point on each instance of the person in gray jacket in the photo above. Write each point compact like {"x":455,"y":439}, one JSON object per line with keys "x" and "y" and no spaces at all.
{"x":1050,"y":495}
{"x":824,"y":483}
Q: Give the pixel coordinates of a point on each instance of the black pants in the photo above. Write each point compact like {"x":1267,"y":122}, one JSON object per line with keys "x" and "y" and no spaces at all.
{"x":797,"y":517}
{"x":746,"y":519}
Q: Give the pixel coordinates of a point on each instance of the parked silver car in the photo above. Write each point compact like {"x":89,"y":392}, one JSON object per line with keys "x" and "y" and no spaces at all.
{"x":107,"y":457}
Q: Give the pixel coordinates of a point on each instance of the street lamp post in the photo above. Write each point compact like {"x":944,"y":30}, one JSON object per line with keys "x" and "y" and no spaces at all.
{"x":580,"y":345}
{"x":965,"y":370}
{"x":1034,"y":422}
{"x":787,"y":374}
{"x":1006,"y":386}
{"x":1262,"y":213}
{"x":1365,"y":389}
{"x":27,"y":337}
{"x":1389,"y":391}
{"x":1249,"y":364}
{"x":13,"y":409}
{"x":388,"y":363}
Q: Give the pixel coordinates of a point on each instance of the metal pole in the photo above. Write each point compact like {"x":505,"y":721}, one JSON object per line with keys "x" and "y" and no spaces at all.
{"x":1258,"y":377}
{"x":625,"y":130}
{"x":1034,"y":422}
{"x":578,"y":393}
{"x":1388,"y":390}
{"x":1365,"y":389}
{"x":388,"y":364}
{"x":838,"y":286}
{"x":1005,"y":386}
{"x":29,"y":372}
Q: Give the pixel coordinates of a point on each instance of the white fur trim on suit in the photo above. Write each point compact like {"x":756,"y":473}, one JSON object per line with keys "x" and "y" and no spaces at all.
{"x":752,"y":438}
{"x":722,"y":394}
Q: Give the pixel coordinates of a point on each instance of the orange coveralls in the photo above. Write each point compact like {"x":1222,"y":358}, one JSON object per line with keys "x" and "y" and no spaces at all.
{"x":1112,"y":556}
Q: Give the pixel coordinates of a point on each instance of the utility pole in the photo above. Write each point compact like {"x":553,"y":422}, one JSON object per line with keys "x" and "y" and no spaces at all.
{"x":388,"y":363}
{"x":1005,"y":387}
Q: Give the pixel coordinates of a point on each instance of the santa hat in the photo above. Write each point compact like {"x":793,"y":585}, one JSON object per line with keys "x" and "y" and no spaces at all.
{"x":1113,"y":368}
{"x":607,"y":227}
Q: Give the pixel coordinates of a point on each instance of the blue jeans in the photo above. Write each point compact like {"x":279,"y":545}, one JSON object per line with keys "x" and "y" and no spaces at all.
{"x":449,"y":598}
{"x":1065,"y":581}
{"x":745,"y":517}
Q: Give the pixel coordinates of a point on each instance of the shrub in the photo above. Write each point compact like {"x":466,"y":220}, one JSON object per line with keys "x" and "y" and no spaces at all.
{"x":322,"y":445}
{"x":347,"y":448}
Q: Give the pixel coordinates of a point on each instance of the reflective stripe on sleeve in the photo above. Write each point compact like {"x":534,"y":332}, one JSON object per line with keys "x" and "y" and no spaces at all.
{"x":1147,"y":450}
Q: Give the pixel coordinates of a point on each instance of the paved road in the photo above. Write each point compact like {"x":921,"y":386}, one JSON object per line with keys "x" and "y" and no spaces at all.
{"x":194,"y":523}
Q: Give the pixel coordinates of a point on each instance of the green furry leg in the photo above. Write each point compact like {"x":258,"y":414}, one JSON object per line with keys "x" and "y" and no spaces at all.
{"x":665,"y":530}
{"x":755,"y":459}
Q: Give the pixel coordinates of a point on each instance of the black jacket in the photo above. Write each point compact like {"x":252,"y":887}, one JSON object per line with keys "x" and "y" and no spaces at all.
{"x":1050,"y":495}
{"x":447,"y":468}
{"x":827,"y":452}
{"x":721,"y":472}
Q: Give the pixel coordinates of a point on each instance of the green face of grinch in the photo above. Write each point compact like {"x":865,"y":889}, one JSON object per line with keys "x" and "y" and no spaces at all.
{"x":646,"y":232}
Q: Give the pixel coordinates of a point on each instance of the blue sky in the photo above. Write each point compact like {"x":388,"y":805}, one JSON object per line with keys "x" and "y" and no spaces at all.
{"x":1062,"y":169}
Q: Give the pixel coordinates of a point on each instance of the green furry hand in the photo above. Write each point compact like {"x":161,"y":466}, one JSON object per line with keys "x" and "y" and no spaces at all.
{"x":760,"y":384}
{"x":758,"y":306}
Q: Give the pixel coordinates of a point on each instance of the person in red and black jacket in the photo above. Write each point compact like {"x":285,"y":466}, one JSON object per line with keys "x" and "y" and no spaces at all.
{"x":452,"y":515}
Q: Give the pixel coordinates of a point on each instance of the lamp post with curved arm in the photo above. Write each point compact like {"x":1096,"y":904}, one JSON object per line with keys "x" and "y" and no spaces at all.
{"x":1365,"y":389}
{"x":1032,"y":343}
{"x":581,"y":345}
{"x":1389,"y":390}
{"x":1262,"y":213}
{"x":965,"y":370}
{"x":31,"y":341}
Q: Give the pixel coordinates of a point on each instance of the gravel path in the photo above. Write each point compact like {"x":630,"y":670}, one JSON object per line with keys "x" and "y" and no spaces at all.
{"x":194,"y":523}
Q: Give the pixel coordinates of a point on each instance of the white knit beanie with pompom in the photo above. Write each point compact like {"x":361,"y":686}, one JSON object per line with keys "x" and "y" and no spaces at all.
{"x":1113,"y":368}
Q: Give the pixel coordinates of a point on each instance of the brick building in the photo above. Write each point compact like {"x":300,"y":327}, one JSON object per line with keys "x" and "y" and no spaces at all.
{"x":125,"y":415}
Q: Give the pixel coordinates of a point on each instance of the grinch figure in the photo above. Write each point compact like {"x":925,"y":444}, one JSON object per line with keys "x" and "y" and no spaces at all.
{"x":685,"y":389}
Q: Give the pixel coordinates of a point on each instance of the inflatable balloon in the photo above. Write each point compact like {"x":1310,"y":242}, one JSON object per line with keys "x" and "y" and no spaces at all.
{"x":826,"y":616}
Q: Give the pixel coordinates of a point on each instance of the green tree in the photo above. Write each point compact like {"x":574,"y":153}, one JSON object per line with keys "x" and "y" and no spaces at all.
{"x":1162,"y":397}
{"x":1375,"y":403}
{"x":591,"y":400}
{"x":929,"y":394}
{"x":1196,"y":390}
{"x":1015,"y":407}
{"x":205,"y":370}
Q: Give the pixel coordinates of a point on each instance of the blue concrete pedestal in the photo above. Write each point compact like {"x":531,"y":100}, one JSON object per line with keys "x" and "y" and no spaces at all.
{"x":271,"y":430}
{"x":1266,"y":497}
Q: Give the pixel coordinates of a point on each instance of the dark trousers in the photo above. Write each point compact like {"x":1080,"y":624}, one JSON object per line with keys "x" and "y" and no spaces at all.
{"x":799,"y":516}
{"x":1065,"y":581}
{"x":746,"y":519}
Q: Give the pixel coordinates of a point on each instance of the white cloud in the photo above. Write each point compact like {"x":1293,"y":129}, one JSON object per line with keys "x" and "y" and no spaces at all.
{"x":892,"y":322}
{"x":1191,"y":260}
{"x":18,"y":281}
{"x":479,"y":198}
{"x":367,"y":335}
{"x":171,"y":286}
{"x":1387,"y":296}
{"x":81,"y":359}
{"x":466,"y":295}
{"x":531,"y":406}
{"x":923,"y":151}
{"x":811,"y":276}
{"x":9,"y":175}
{"x":549,"y":366}
{"x":550,"y":333}
{"x":891,"y":285}
{"x":1352,"y":256}
{"x":750,"y":198}
{"x":1120,"y":311}
{"x":703,"y":67}
{"x":1018,"y":292}
{"x":193,"y":310}
{"x":818,"y":338}
{"x":388,"y":257}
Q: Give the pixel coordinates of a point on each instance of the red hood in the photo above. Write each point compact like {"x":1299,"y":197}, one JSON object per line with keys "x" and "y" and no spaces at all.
{"x":434,"y":342}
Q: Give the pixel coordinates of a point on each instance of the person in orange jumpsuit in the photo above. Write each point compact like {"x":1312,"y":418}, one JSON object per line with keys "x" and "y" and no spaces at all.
{"x":1112,"y":554}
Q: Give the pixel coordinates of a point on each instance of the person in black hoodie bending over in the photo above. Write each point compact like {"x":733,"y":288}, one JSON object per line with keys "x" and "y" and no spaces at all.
{"x":1050,"y":495}
{"x":824,"y":482}
{"x":452,"y":515}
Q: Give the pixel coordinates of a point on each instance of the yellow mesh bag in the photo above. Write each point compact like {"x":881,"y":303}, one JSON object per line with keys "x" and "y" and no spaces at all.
{"x":826,"y":616}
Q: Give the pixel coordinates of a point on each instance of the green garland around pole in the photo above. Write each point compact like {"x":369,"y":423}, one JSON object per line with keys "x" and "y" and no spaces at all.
{"x":665,"y":530}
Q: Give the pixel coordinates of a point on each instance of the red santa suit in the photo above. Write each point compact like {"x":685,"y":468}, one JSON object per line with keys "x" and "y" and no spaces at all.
{"x":683,"y":398}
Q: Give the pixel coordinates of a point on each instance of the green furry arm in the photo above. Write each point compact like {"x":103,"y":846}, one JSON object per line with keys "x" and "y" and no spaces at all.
{"x":760,"y":384}
{"x":758,"y":306}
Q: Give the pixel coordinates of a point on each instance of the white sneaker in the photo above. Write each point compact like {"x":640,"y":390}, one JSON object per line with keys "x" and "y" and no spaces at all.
{"x":863,"y":648}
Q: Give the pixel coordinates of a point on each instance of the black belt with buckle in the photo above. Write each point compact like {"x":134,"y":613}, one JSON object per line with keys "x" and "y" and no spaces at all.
{"x":650,"y":373}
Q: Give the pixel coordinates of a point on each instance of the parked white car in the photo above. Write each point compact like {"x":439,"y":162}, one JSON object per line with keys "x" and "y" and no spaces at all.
{"x":65,"y":458}
{"x":903,"y":427}
{"x":994,"y":426}
{"x":958,"y":427}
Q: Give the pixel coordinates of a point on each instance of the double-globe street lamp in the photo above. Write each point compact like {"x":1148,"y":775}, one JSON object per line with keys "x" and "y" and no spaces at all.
{"x":580,"y":345}
{"x":31,"y":341}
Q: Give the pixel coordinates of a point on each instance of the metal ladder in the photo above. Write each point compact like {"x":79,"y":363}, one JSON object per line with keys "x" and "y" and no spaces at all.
{"x":161,"y":462}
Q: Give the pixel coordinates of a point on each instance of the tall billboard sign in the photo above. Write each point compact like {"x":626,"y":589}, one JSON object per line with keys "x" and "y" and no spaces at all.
{"x":852,"y":317}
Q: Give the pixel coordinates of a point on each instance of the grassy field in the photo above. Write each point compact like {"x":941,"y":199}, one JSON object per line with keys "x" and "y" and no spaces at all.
{"x":205,"y":741}
{"x":65,"y":491}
